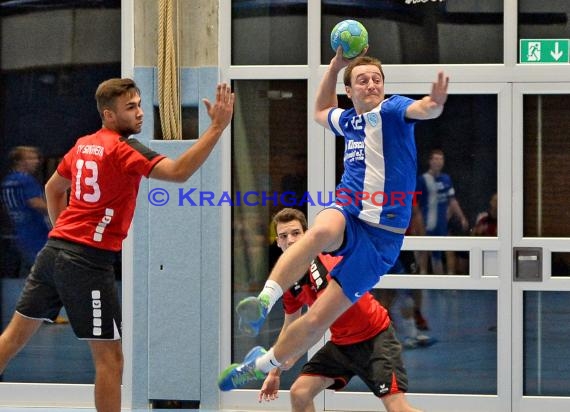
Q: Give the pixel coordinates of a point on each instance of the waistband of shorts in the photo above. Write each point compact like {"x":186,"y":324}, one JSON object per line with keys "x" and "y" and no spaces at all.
{"x":78,"y":248}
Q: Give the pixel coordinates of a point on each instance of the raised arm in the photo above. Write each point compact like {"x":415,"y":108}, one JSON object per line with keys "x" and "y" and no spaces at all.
{"x":326,"y":93}
{"x":183,"y":167}
{"x":430,"y":107}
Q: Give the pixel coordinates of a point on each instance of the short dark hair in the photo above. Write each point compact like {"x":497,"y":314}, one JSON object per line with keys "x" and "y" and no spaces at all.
{"x":109,"y":90}
{"x":18,"y":153}
{"x":361,"y":61}
{"x":289,"y":214}
{"x":435,"y":152}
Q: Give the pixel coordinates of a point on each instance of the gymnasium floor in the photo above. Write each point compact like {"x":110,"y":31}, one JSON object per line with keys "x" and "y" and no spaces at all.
{"x":465,"y":355}
{"x":83,"y":410}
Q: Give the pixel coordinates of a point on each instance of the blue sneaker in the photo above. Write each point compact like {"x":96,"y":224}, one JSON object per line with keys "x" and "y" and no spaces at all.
{"x":237,"y":375}
{"x":252,"y":312}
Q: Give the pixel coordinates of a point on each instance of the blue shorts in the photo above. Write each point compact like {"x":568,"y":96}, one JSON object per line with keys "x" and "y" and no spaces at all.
{"x":438,"y":231}
{"x":368,"y":253}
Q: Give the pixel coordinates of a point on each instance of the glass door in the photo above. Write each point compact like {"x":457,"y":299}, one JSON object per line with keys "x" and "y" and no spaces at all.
{"x":541,"y":257}
{"x":55,"y":74}
{"x":461,"y":298}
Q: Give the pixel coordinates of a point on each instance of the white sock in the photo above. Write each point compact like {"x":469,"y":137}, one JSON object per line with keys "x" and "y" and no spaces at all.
{"x":267,"y":362}
{"x":272,"y":291}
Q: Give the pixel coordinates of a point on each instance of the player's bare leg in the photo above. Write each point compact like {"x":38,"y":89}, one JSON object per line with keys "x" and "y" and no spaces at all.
{"x":309,"y":328}
{"x":14,"y":338}
{"x":108,"y":360}
{"x":304,"y":390}
{"x":398,"y":403}
{"x":299,"y":336}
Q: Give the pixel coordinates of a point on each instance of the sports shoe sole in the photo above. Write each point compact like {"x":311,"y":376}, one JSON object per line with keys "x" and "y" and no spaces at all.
{"x":228,"y":377}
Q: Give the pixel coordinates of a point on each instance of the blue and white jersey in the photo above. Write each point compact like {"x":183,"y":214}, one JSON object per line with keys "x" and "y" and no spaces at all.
{"x":380,"y":163}
{"x":30,"y":226}
{"x":434,"y":197}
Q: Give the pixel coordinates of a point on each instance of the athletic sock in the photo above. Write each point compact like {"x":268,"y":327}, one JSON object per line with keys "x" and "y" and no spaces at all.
{"x":270,"y":294}
{"x":267,"y":362}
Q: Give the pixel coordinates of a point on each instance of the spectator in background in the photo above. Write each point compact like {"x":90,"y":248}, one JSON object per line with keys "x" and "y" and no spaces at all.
{"x":437,"y":202}
{"x":23,"y":199}
{"x":486,"y":223}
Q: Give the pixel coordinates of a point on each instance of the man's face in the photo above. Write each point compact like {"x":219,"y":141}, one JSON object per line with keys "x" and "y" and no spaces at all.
{"x":436,"y":162}
{"x":288,"y":233}
{"x":30,"y":161}
{"x":367,"y":88}
{"x":127,"y":116}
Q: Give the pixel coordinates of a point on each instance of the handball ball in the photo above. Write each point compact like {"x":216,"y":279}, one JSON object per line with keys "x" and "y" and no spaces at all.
{"x":351,"y":35}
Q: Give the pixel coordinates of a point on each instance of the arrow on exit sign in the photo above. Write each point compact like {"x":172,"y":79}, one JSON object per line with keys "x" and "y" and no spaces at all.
{"x":544,"y":50}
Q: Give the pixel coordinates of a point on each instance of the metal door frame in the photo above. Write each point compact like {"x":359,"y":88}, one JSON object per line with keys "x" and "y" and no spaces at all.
{"x":483,"y":252}
{"x":81,"y":395}
{"x":522,"y":403}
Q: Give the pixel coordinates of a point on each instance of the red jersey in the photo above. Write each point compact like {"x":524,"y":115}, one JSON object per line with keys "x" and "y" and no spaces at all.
{"x":105,"y":170}
{"x":362,"y":321}
{"x":486,"y":225}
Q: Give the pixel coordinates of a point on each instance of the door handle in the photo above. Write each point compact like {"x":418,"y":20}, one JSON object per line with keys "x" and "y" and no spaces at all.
{"x":527,"y":264}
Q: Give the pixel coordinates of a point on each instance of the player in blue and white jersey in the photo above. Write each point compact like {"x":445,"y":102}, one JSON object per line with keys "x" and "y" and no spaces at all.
{"x":366,"y":225}
{"x":23,"y":197}
{"x":437,"y":202}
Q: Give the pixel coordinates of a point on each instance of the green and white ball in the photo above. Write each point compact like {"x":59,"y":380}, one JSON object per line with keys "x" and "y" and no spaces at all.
{"x":351,"y":35}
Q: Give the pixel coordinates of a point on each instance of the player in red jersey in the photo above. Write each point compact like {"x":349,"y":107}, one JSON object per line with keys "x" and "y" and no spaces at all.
{"x":75,"y":268}
{"x":362,"y":343}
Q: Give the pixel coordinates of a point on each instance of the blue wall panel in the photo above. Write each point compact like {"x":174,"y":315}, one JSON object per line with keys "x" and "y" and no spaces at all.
{"x":177,"y":266}
{"x":174,"y":273}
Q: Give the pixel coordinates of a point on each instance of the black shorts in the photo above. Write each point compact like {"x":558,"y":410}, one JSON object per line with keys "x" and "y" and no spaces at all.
{"x":377,"y":361}
{"x":82,"y":279}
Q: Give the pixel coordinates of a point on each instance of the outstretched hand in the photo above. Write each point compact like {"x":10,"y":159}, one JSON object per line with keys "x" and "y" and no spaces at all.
{"x":270,"y":389}
{"x":439,"y":89}
{"x":430,"y":106}
{"x":222,"y":109}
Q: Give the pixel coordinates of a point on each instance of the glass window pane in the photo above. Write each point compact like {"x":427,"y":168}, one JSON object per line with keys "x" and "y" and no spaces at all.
{"x":466,"y":134}
{"x":543,"y":19}
{"x":560,"y":265}
{"x":433,"y":262}
{"x":269,"y":159}
{"x":422,"y":32}
{"x":451,"y":343}
{"x":546,"y":147}
{"x":272,"y":32}
{"x":52,"y":63}
{"x":546,"y":343}
{"x":451,"y":262}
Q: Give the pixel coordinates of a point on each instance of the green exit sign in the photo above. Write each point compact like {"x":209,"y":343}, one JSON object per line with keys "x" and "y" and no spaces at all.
{"x":544,"y":50}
